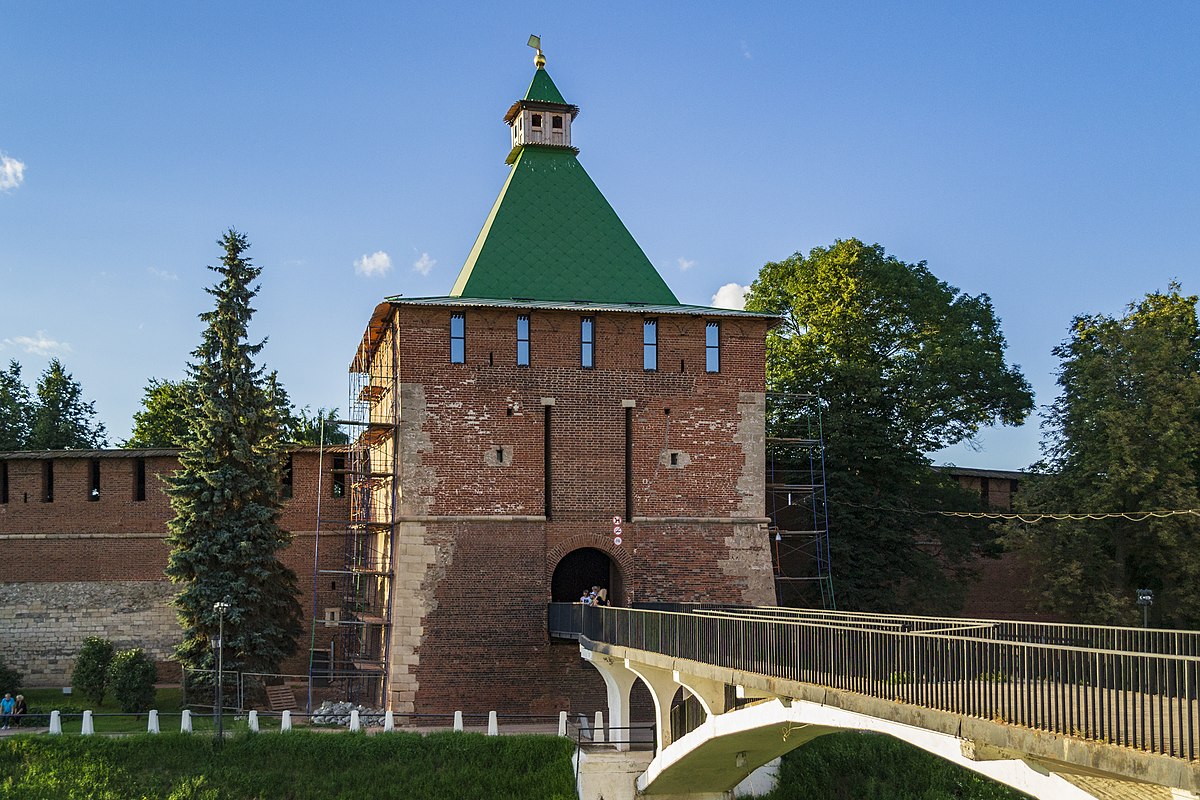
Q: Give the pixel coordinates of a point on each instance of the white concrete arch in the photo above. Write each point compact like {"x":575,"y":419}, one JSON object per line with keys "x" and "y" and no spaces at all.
{"x":726,"y":748}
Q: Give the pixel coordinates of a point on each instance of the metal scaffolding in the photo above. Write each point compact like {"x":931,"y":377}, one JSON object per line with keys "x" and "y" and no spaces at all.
{"x":357,"y":660}
{"x":796,"y":501}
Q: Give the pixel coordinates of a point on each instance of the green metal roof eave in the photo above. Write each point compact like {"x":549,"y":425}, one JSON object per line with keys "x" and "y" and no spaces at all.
{"x":557,"y":305}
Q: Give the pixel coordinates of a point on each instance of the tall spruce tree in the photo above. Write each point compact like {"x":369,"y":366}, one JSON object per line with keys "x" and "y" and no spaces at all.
{"x":225,"y":536}
{"x":62,"y":419}
{"x":16,"y":409}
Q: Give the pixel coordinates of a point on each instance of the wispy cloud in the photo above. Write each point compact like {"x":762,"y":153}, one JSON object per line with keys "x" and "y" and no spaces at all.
{"x":424,"y":264}
{"x":39,"y":345}
{"x":746,"y":54}
{"x":12,"y":173}
{"x":731,"y":295}
{"x":685,"y":264}
{"x":163,"y":274}
{"x":375,"y":265}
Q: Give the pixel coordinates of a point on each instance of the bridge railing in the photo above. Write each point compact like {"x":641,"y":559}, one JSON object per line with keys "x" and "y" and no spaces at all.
{"x":1147,"y":700}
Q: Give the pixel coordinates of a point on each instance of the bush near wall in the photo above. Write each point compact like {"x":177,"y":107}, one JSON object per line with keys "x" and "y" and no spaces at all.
{"x":90,"y":675}
{"x":131,"y":676}
{"x":297,"y":765}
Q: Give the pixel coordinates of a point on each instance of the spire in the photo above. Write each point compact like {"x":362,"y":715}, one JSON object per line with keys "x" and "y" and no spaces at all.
{"x":551,"y":234}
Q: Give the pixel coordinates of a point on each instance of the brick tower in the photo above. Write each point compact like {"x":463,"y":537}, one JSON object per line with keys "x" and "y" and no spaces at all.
{"x":560,"y":387}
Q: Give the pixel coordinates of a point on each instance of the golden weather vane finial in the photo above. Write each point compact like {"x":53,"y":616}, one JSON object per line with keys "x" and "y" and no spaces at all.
{"x":535,"y":42}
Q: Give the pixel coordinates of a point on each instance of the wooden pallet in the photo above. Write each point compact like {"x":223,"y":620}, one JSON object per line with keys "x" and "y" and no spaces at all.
{"x":281,"y":698}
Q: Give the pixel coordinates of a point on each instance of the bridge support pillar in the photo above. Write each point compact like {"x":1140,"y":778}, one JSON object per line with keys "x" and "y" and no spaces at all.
{"x":662,"y":685}
{"x":618,"y":681}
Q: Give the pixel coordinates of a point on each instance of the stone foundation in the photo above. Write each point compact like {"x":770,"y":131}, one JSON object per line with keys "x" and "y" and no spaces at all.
{"x":43,"y":625}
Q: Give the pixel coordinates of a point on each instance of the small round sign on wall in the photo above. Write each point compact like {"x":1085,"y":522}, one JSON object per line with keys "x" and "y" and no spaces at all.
{"x":618,"y":529}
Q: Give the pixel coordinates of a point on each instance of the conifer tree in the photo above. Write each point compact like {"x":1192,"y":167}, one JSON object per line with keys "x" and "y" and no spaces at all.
{"x":225,"y":535}
{"x":62,"y":419}
{"x":16,"y":409}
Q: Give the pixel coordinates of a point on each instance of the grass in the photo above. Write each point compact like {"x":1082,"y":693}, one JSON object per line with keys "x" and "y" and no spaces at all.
{"x":868,"y":766}
{"x":297,"y":766}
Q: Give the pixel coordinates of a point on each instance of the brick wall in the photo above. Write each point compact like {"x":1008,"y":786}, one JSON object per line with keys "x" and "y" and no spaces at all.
{"x":470,"y":598}
{"x":73,"y":567}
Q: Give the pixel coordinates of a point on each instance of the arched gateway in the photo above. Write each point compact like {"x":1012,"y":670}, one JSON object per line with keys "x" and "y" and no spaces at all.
{"x":582,"y":569}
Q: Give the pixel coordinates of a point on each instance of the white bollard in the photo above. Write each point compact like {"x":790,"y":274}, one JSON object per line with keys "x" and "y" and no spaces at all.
{"x":252,"y":721}
{"x":354,"y":726}
{"x":493,"y":726}
{"x":458,"y":721}
{"x":152,"y":722}
{"x":285,"y":724}
{"x":88,"y":728}
{"x":185,"y":721}
{"x":389,"y":721}
{"x":598,"y":731}
{"x":562,"y":723}
{"x":55,"y":723}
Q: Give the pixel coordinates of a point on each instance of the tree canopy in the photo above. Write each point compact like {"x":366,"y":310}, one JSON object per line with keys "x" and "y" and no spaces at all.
{"x":168,"y":408}
{"x":16,"y":409}
{"x":56,"y":418}
{"x":904,"y":364}
{"x":1123,"y":436}
{"x":226,"y":496}
{"x":167,"y":411}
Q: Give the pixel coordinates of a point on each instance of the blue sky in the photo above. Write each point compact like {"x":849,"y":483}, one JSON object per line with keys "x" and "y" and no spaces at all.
{"x":1046,"y":154}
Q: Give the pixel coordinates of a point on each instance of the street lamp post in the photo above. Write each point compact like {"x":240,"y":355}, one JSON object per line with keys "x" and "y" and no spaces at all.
{"x":219,"y":645}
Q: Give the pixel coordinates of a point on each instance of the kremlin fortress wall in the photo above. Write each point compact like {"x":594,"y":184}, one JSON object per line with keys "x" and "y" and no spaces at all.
{"x":558,"y":421}
{"x":83,"y":548}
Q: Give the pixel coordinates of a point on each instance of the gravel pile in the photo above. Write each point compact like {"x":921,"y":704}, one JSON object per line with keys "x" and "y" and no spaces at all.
{"x":331,"y":713}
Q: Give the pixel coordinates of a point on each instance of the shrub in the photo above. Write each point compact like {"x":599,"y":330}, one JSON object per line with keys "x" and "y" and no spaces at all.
{"x":90,"y":675}
{"x":131,"y":677}
{"x":10,"y":679}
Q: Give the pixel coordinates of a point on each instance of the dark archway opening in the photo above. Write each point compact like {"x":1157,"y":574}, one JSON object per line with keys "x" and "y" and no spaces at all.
{"x":582,"y":569}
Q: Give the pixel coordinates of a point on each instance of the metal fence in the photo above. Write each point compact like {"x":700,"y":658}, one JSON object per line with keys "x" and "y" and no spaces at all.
{"x":1125,"y":686}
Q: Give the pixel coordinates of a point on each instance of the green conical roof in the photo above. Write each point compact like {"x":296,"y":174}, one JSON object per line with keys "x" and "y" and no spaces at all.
{"x":543,"y":90}
{"x":551,"y":235}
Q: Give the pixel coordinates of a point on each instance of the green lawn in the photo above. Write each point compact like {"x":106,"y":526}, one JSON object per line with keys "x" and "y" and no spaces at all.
{"x":296,"y":766}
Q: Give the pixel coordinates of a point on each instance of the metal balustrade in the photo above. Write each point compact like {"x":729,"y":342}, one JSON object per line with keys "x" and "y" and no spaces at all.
{"x":1124,"y":686}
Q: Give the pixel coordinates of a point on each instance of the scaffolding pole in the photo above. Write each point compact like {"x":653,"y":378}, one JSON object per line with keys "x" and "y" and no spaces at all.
{"x":356,"y":662}
{"x":796,"y":501}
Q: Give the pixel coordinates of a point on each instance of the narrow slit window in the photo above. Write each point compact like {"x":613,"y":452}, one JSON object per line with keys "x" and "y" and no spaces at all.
{"x":650,"y":344}
{"x":139,"y":479}
{"x":458,"y":339}
{"x":339,"y":476}
{"x":47,"y":481}
{"x":628,"y":464}
{"x":94,"y":491}
{"x":3,"y":482}
{"x":587,"y":342}
{"x":547,"y":472}
{"x":712,"y":347}
{"x":288,"y":468}
{"x":523,"y":340}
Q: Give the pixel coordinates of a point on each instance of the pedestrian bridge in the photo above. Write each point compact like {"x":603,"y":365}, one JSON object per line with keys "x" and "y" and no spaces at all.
{"x":1058,"y":711}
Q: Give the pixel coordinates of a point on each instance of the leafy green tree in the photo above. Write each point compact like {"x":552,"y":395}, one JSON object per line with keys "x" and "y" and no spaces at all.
{"x":90,"y":674}
{"x":1123,"y":436}
{"x":167,"y":411}
{"x":62,"y":420}
{"x":131,"y":677}
{"x":306,"y":427}
{"x":225,"y":535}
{"x":16,"y":409}
{"x":905,"y":364}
